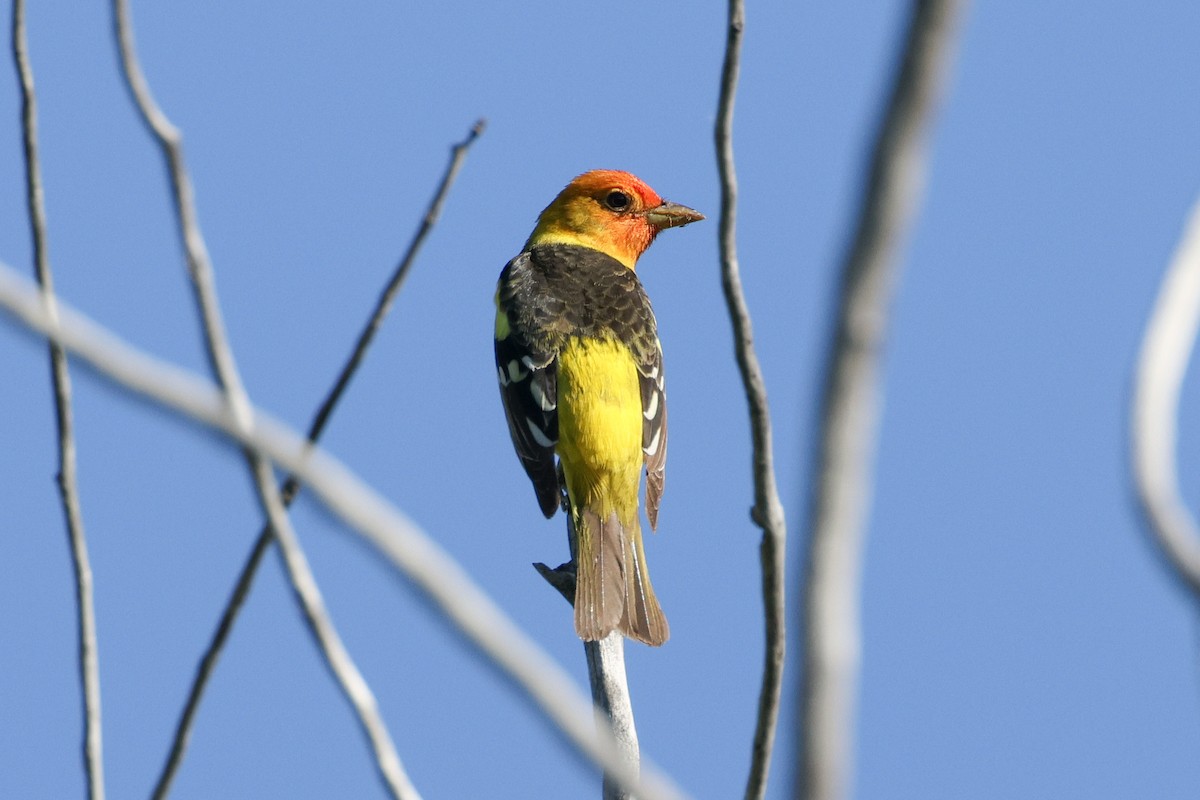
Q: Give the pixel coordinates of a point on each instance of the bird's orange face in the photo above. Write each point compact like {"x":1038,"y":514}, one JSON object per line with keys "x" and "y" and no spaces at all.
{"x":610,"y":211}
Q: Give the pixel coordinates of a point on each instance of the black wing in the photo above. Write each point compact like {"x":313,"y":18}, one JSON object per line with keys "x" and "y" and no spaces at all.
{"x":654,"y":427}
{"x":528,"y":377}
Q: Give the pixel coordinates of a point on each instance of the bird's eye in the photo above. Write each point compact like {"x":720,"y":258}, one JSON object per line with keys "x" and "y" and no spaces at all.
{"x":617,"y":200}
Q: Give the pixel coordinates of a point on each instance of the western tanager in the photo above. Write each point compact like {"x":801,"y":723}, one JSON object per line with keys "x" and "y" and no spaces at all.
{"x":581,"y":376}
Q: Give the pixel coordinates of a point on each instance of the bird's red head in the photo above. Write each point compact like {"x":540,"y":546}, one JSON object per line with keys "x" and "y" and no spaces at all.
{"x":610,"y":211}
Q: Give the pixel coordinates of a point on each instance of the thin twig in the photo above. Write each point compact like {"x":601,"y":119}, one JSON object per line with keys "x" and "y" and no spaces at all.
{"x":291,"y":485}
{"x":850,"y":407}
{"x":458,"y":154}
{"x":767,"y":511}
{"x":411,"y":552}
{"x":220,"y":355}
{"x":1167,"y":347}
{"x":67,"y":479}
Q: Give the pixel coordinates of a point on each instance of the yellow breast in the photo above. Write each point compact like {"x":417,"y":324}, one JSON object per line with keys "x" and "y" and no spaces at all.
{"x":600,"y":423}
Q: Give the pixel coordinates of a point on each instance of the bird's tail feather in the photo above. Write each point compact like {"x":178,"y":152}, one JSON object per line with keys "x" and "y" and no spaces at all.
{"x":612,"y":590}
{"x":643,"y":618}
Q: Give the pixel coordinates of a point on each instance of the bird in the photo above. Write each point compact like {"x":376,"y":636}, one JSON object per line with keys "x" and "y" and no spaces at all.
{"x":580,"y":369}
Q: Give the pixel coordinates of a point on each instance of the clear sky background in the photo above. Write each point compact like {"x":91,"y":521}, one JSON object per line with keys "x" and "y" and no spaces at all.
{"x":1021,"y":636}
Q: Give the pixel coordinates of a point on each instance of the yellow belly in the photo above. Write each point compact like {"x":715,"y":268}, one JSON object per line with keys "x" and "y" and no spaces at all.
{"x":600,"y":426}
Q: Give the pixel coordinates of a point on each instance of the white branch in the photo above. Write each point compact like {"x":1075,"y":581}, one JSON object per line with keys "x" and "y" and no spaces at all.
{"x":614,"y":707}
{"x":412,"y":552}
{"x":850,"y":408}
{"x":1170,"y":338}
{"x":68,"y":482}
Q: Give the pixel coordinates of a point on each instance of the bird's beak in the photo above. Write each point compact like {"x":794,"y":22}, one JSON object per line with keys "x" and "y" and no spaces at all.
{"x":671,"y":215}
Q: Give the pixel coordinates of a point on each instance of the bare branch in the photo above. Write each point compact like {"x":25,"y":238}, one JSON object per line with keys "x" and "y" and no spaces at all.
{"x":1168,"y":344}
{"x":767,"y":511}
{"x":850,"y":407}
{"x":89,"y":667}
{"x":457,"y":155}
{"x":291,"y":485}
{"x":337,"y":658}
{"x":304,"y":585}
{"x":170,"y":141}
{"x":610,"y":693}
{"x":410,"y":551}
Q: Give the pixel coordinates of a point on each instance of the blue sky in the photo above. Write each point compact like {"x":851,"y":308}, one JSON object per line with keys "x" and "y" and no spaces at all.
{"x":1021,"y":636}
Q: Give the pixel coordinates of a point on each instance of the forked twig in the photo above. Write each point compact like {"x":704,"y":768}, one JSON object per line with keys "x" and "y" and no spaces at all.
{"x":767,"y":511}
{"x":68,"y":483}
{"x":1154,"y":412}
{"x":291,"y":485}
{"x":304,"y":585}
{"x":850,"y":407}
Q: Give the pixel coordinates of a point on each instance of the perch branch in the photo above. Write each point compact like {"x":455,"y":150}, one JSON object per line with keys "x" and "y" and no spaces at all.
{"x":850,"y":406}
{"x":1167,"y":347}
{"x":68,"y":481}
{"x":291,"y":485}
{"x":610,"y":694}
{"x":220,"y":355}
{"x":411,"y":552}
{"x":767,"y":511}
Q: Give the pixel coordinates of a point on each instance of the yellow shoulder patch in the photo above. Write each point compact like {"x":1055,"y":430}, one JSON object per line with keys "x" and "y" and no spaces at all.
{"x":502,"y":326}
